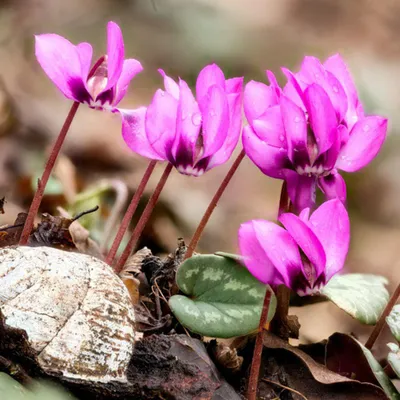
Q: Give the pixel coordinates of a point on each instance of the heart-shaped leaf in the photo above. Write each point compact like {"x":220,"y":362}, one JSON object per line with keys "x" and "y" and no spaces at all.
{"x":363,"y":296}
{"x":393,"y":320}
{"x":225,"y":299}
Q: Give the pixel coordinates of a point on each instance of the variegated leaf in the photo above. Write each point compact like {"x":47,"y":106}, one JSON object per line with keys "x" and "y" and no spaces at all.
{"x":225,"y":299}
{"x":363,"y":296}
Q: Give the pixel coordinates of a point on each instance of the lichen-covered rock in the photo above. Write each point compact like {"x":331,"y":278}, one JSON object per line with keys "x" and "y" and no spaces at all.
{"x":76,"y":312}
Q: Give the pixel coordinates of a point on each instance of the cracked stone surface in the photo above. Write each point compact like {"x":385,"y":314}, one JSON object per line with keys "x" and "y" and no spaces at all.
{"x":76,"y":312}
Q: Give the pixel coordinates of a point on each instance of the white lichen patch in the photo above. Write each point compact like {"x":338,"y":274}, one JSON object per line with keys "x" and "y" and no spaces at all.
{"x":76,"y":312}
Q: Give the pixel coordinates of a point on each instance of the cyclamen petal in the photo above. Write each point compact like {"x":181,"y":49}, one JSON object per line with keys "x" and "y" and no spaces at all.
{"x":235,"y":100}
{"x":115,"y":54}
{"x":270,"y":159}
{"x":365,"y":140}
{"x":324,"y":129}
{"x":258,"y":97}
{"x":209,"y":76}
{"x":330,"y":223}
{"x":64,"y":64}
{"x":68,"y":67}
{"x":273,"y":254}
{"x":134,"y":133}
{"x":194,"y":134}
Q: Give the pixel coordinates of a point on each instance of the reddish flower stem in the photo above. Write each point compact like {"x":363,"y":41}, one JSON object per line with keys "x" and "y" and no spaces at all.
{"x":382,"y":319}
{"x":143,"y":220}
{"x":42,"y":182}
{"x":199,"y":231}
{"x":130,"y":212}
{"x":256,"y":361}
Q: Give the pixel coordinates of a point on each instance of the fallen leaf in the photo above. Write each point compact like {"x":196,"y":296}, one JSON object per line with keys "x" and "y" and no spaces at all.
{"x":293,"y":368}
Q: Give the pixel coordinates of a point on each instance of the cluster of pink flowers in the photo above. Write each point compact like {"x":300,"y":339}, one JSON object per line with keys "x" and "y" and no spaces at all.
{"x":302,"y":133}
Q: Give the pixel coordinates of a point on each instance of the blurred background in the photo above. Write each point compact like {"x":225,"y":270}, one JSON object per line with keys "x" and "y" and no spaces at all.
{"x":181,"y":36}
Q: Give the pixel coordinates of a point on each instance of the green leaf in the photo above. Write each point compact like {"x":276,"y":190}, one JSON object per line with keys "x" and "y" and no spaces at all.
{"x":10,"y":389}
{"x":226,"y":300}
{"x":380,"y":375}
{"x":393,"y":320}
{"x":394,"y":357}
{"x":363,"y":296}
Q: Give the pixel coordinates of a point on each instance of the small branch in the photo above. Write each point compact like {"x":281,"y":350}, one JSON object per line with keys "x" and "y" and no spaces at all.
{"x":143,"y":220}
{"x":130,"y":212}
{"x":81,"y":214}
{"x":382,"y":319}
{"x":199,"y":231}
{"x":256,"y":362}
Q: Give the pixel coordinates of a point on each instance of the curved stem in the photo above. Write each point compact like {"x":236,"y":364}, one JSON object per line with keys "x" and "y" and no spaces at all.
{"x":143,"y":220}
{"x":256,"y":361}
{"x":42,"y":182}
{"x":130,"y":212}
{"x":199,"y":231}
{"x":382,"y":319}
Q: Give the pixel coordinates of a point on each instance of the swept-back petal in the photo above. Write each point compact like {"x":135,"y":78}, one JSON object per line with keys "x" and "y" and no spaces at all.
{"x":337,"y":67}
{"x":130,"y":69}
{"x":188,"y":124}
{"x":61,"y":61}
{"x":322,"y":116}
{"x":235,"y":128}
{"x":274,"y":83}
{"x":255,"y":257}
{"x":307,"y":241}
{"x":160,"y":124}
{"x":365,"y":140}
{"x":294,"y":89}
{"x":134,"y":133}
{"x":282,"y":250}
{"x":258,"y":97}
{"x":333,"y":186}
{"x":85,"y":52}
{"x":210,"y":75}
{"x":271,"y":160}
{"x":115,"y":54}
{"x":215,"y":120}
{"x":301,"y":189}
{"x":234,"y":85}
{"x":330,"y":222}
{"x":269,"y":127}
{"x":170,"y":85}
{"x":295,"y":124}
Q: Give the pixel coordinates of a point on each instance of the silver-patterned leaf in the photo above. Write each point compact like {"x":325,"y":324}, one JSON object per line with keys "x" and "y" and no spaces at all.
{"x":363,"y":296}
{"x":394,"y":357}
{"x":225,"y":299}
{"x":393,"y":320}
{"x":75,"y":310}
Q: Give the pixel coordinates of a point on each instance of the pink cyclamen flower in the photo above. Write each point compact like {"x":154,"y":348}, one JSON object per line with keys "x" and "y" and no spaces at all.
{"x":311,"y":128}
{"x":305,"y":254}
{"x":68,"y":67}
{"x":194,"y":134}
